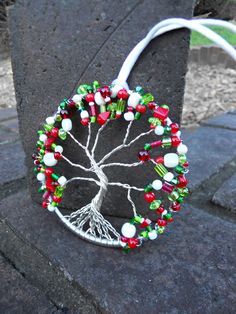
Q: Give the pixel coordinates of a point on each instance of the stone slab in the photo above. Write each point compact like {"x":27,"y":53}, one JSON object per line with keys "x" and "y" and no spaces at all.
{"x":227,"y":121}
{"x":7,"y":113}
{"x":6,"y":136}
{"x":209,"y":150}
{"x":190,"y":269}
{"x":18,"y":296}
{"x":11,"y":163}
{"x":12,"y":125}
{"x":52,"y":54}
{"x":225,"y":196}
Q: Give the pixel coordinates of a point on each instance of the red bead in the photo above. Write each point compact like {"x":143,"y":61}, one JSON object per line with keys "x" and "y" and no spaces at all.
{"x":105,"y":91}
{"x":64,"y":114}
{"x":34,"y":156}
{"x":54,"y":132}
{"x":174,"y":128}
{"x":85,"y":121}
{"x":182,"y":181}
{"x":161,"y":222}
{"x":170,"y":219}
{"x":123,"y":94}
{"x":45,"y":204}
{"x":36,"y":162}
{"x":103,"y":117}
{"x":176,"y":207}
{"x":175,"y":141}
{"x":141,"y":108}
{"x":143,"y":155}
{"x":159,"y":160}
{"x":71,"y":103}
{"x":161,"y":113}
{"x":133,"y":243}
{"x":145,"y":223}
{"x":56,"y":199}
{"x":49,"y":142}
{"x":160,"y":210}
{"x":156,"y":144}
{"x":89,"y":97}
{"x":152,"y":126}
{"x":152,"y":105}
{"x":186,"y":164}
{"x":149,"y":197}
{"x":57,"y":155}
{"x":124,"y":239}
{"x":48,"y":172}
{"x":38,"y":169}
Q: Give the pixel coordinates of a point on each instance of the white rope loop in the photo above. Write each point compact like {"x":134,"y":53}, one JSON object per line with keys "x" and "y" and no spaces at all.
{"x":173,"y":24}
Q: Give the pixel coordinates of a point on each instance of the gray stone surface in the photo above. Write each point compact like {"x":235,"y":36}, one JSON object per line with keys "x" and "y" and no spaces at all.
{"x":6,"y":136}
{"x":190,"y":269}
{"x":209,"y":150}
{"x":57,"y":44}
{"x":227,"y":121}
{"x":225,"y":196}
{"x":11,"y":163}
{"x":7,"y":113}
{"x":17,"y":296}
{"x":11,"y":124}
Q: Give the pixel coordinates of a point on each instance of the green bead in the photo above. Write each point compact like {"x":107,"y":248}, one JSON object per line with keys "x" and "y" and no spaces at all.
{"x":165,"y":106}
{"x":39,"y":144}
{"x":59,"y":191}
{"x":183,"y":192}
{"x":48,"y":127}
{"x":63,"y":105}
{"x":154,"y":121}
{"x":179,"y":169}
{"x":167,"y":216}
{"x":41,"y":152}
{"x":161,"y":170}
{"x":137,"y":219}
{"x":173,"y":196}
{"x":146,"y":99}
{"x":54,"y":204}
{"x":160,"y":230}
{"x":82,"y":89}
{"x":55,"y":176}
{"x":175,"y":181}
{"x":149,"y":228}
{"x":96,"y":86}
{"x":137,"y":115}
{"x":41,"y":189}
{"x":180,"y":200}
{"x":35,"y":170}
{"x":103,"y":108}
{"x":166,"y":142}
{"x":167,"y":129}
{"x":148,"y":188}
{"x":147,"y":146}
{"x":120,"y":105}
{"x":62,"y":134}
{"x":182,"y":159}
{"x":58,"y":118}
{"x":93,"y":119}
{"x":40,"y":132}
{"x":139,"y":90}
{"x":53,"y":146}
{"x":144,"y":234}
{"x":155,"y":204}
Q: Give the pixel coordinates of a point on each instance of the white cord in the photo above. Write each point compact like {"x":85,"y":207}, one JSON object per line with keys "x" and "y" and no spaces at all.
{"x":173,"y":24}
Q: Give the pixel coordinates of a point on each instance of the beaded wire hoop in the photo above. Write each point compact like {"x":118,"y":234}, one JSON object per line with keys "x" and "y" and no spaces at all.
{"x":101,"y":105}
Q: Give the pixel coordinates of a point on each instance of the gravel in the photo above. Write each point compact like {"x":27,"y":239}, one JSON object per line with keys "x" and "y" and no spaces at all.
{"x":209,"y":91}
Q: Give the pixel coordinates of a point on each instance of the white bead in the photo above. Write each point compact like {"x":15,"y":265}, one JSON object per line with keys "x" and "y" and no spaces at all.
{"x":41,"y":176}
{"x":157,"y":184}
{"x":168,"y":177}
{"x":49,"y":159}
{"x":50,"y":120}
{"x":77,"y":98}
{"x":152,"y":235}
{"x":115,"y":89}
{"x":62,"y":180}
{"x":43,"y":138}
{"x":182,"y":149}
{"x":91,"y":103}
{"x":66,"y":124}
{"x":58,"y":149}
{"x":178,"y":133}
{"x":171,"y":160}
{"x":128,"y":230}
{"x":129,"y":116}
{"x":99,"y":99}
{"x":159,"y":130}
{"x":51,"y":208}
{"x":164,"y":213}
{"x":84,"y":114}
{"x":123,"y":244}
{"x":133,"y":100}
